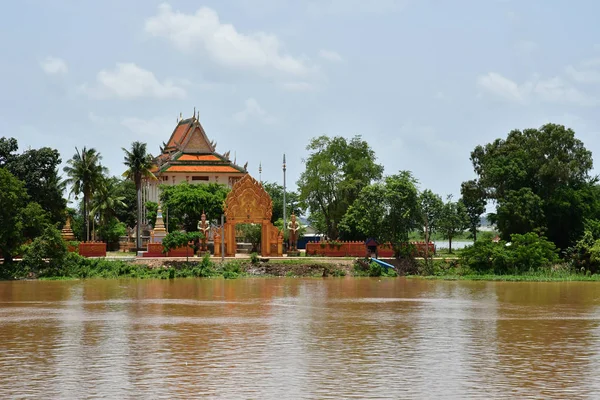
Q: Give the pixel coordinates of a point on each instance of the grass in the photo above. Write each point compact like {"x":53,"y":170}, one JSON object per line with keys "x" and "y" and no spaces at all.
{"x":534,"y":277}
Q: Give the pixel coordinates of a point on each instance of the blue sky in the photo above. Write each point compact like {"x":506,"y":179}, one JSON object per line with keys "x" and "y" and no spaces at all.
{"x":423,"y":81}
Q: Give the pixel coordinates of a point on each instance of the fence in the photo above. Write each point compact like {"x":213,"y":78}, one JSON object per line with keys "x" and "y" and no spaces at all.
{"x":358,"y":249}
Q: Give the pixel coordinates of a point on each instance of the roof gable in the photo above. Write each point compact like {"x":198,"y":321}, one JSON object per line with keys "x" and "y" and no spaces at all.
{"x":196,"y":141}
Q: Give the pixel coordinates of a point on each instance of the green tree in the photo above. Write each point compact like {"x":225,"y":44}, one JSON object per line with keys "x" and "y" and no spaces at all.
{"x":47,"y":251}
{"x":185,"y":203}
{"x":110,"y":231}
{"x":38,"y":169}
{"x":139,"y":164}
{"x":126,"y":212}
{"x":365,"y":218}
{"x":387,"y":211}
{"x":473,"y":197}
{"x":252,"y":234}
{"x":177,"y":239}
{"x":20,"y":219}
{"x":336,"y":171}
{"x":85,"y":175}
{"x":454,"y":220}
{"x":551,"y":168}
{"x":151,"y":212}
{"x":431,"y":212}
{"x":106,"y":200}
{"x":13,"y":198}
{"x":275,"y":191}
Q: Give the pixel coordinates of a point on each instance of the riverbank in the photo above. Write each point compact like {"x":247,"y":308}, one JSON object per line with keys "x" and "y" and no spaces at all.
{"x":76,"y":267}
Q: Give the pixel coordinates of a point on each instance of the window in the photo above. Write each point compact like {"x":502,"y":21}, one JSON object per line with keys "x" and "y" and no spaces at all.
{"x":199,"y":178}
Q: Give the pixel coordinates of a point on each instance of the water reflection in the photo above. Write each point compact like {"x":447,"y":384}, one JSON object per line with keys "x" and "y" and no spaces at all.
{"x":298,"y":338}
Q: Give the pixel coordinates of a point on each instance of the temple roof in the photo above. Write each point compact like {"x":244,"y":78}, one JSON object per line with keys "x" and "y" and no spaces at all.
{"x":189,"y":150}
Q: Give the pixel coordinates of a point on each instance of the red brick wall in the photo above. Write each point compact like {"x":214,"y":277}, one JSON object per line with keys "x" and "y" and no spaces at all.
{"x":181,"y":252}
{"x":92,"y":249}
{"x":154,"y":250}
{"x":356,"y":249}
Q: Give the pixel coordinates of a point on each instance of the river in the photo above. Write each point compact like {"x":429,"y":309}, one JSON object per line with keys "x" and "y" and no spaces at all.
{"x":287,"y":338}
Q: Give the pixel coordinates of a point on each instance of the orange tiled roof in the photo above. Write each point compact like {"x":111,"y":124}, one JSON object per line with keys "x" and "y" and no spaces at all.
{"x":201,"y":168}
{"x":194,"y":157}
{"x":178,"y":134}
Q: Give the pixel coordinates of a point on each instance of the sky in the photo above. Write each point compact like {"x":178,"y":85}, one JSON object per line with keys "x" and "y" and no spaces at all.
{"x":423,"y":82}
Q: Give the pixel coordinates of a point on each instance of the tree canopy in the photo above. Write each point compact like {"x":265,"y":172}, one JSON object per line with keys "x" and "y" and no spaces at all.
{"x":387,"y":211}
{"x":292,"y":200}
{"x":85,"y":175}
{"x":336,"y":171}
{"x":38,"y":169}
{"x":20,"y":219}
{"x":185,"y":203}
{"x":540,"y":180}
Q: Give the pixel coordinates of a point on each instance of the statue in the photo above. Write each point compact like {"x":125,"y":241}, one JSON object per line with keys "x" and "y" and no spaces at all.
{"x":293,"y":227}
{"x":203,"y":227}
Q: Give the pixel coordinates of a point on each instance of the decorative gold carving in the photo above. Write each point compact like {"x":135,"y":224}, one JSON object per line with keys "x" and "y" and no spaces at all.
{"x":248,"y":202}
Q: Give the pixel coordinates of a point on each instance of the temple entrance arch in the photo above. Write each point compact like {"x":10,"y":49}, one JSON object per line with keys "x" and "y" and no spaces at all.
{"x":248,"y":202}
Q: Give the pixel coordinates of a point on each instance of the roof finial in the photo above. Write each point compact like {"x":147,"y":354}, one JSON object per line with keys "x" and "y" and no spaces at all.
{"x":180,"y":116}
{"x":194,"y":117}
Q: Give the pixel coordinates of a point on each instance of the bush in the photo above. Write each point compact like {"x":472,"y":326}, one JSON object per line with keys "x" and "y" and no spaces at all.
{"x":45,"y":252}
{"x":373,"y":270}
{"x":528,"y":252}
{"x":111,"y":231}
{"x":232,"y":270}
{"x":254,"y":258}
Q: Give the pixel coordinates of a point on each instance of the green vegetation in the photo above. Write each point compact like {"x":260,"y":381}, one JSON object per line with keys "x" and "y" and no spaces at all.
{"x":138,"y":163}
{"x":336,"y":171}
{"x":86,"y":176}
{"x":292,"y":201}
{"x":373,"y":269}
{"x":185,"y":204}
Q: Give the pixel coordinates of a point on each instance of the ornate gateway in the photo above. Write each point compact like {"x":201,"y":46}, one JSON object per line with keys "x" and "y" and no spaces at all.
{"x":248,"y":202}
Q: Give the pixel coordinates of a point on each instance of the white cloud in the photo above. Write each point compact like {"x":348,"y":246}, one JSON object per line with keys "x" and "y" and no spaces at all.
{"x":54,"y":66}
{"x":440,"y":95}
{"x":503,"y":87}
{"x":128,"y":81}
{"x":253,"y":110}
{"x":154,"y":127}
{"x":222,"y":43}
{"x":297,"y":86}
{"x":330,"y":55}
{"x":553,"y":90}
{"x":353,"y":7}
{"x":586,"y":74}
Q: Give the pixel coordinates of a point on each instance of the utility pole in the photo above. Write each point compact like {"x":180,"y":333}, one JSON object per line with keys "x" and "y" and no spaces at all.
{"x":284,"y":203}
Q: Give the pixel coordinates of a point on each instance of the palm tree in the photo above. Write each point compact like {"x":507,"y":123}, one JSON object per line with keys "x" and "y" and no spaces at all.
{"x":106,"y":200}
{"x":138,"y":164}
{"x":85,"y":175}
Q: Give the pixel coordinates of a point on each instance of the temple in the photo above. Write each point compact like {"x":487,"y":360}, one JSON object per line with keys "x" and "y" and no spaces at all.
{"x":189,"y":156}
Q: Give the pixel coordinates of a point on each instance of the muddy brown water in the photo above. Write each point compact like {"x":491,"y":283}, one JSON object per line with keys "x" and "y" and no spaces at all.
{"x":289,"y":338}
